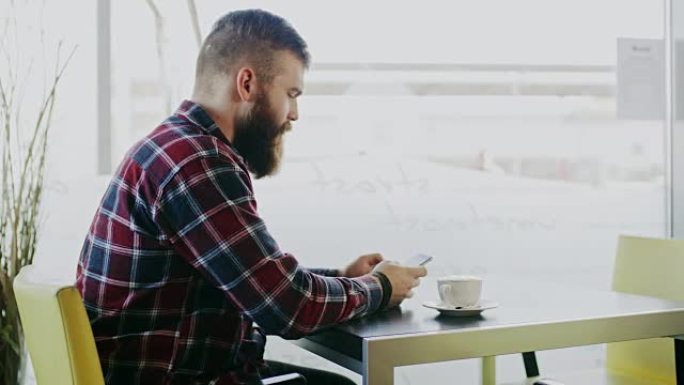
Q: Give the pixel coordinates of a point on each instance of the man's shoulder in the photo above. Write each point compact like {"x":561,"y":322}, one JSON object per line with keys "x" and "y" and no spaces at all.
{"x":175,"y":143}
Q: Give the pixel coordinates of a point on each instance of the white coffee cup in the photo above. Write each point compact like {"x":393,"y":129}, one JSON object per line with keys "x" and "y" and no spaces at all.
{"x":460,"y":290}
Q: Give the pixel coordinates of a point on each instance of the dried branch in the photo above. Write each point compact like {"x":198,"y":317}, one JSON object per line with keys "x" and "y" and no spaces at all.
{"x":159,"y":24}
{"x":194,"y":19}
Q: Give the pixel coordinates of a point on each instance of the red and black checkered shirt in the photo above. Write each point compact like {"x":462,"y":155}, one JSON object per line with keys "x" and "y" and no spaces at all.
{"x":177,"y":266}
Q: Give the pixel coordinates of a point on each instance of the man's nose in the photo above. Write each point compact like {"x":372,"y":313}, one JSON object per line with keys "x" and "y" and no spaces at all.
{"x":293,"y":115}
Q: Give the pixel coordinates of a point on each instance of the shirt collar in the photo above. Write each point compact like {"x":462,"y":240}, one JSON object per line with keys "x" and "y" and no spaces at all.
{"x":197,"y":115}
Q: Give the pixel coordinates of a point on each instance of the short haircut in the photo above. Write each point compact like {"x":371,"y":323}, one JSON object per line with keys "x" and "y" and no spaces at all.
{"x":252,"y":35}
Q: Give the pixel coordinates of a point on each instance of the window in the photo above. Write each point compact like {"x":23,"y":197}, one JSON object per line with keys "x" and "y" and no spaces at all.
{"x":438,"y":128}
{"x":485,"y":133}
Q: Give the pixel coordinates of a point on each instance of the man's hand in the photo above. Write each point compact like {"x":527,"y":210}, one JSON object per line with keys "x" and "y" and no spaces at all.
{"x":361,"y":266}
{"x":402,"y":278}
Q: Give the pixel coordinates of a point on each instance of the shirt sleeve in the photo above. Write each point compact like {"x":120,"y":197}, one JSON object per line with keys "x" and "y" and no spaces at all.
{"x":325,"y":272}
{"x":208,"y":212}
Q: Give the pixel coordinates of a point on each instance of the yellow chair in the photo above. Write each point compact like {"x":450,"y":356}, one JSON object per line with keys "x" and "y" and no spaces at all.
{"x":643,"y":266}
{"x":59,"y":337}
{"x":652,"y":267}
{"x":57,"y":331}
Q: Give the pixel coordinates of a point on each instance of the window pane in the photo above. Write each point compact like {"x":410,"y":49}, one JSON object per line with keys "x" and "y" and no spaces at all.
{"x":485,"y":133}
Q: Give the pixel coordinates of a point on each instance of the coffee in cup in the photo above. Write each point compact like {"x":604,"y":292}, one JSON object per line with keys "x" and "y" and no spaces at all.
{"x":460,"y":290}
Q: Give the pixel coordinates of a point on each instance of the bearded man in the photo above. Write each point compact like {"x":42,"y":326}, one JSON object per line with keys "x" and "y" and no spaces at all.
{"x":179,"y":275}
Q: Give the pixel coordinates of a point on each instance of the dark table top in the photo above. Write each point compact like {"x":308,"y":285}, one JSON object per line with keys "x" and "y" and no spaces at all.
{"x":521,"y":302}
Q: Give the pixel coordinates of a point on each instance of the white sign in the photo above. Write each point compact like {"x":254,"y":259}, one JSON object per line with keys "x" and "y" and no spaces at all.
{"x":641,"y":79}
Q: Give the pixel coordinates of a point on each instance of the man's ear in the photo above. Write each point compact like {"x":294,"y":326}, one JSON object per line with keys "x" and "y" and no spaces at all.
{"x":245,"y":82}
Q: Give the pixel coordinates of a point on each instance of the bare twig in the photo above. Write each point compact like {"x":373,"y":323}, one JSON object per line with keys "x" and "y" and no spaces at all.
{"x":161,"y":53}
{"x":194,"y":19}
{"x":40,"y":125}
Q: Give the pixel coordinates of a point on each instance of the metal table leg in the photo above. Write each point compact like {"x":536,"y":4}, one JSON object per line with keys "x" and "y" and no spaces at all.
{"x":489,"y":370}
{"x":679,"y":359}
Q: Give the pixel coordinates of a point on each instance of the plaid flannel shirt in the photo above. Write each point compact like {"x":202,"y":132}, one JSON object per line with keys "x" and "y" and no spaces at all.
{"x":177,"y":265}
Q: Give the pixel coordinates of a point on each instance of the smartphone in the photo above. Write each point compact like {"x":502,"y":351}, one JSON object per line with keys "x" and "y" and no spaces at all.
{"x":417,"y":260}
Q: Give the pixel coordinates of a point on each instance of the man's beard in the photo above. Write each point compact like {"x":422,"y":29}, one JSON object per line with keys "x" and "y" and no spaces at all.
{"x":259,"y":139}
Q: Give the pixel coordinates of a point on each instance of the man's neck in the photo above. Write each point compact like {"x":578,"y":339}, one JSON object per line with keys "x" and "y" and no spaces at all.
{"x":221,"y":113}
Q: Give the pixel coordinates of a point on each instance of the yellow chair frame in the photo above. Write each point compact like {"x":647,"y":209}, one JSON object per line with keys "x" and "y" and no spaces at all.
{"x":57,"y":331}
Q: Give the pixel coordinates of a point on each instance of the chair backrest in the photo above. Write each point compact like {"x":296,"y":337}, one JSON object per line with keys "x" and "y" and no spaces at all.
{"x":652,"y":267}
{"x":57,"y":331}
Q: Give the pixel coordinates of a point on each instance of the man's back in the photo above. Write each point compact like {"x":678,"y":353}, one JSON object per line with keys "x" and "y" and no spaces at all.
{"x":151,"y":311}
{"x":177,"y":264}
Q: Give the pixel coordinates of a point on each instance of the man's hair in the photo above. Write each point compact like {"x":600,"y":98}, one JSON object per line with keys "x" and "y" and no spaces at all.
{"x":251,"y":35}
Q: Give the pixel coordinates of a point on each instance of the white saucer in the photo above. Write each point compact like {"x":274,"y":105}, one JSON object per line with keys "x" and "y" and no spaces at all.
{"x":453,"y":311}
